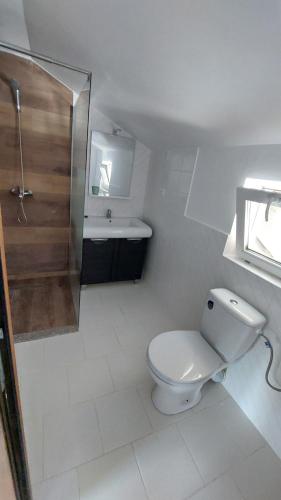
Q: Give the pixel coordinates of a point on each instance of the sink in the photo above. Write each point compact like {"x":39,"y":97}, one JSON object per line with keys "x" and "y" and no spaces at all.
{"x":117,"y":227}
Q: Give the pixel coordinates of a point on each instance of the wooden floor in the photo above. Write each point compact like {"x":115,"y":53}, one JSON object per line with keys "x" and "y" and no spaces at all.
{"x":41,"y":307}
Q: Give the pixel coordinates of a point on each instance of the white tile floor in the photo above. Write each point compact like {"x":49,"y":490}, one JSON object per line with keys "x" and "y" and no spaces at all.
{"x":93,"y":433}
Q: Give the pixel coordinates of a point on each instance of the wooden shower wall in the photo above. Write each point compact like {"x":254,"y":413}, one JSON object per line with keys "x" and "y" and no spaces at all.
{"x":39,"y":247}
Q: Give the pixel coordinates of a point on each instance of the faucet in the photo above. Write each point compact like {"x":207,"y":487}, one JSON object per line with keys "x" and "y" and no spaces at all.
{"x":108,"y":213}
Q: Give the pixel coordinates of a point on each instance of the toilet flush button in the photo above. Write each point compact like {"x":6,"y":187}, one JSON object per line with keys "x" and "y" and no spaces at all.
{"x":234,"y":302}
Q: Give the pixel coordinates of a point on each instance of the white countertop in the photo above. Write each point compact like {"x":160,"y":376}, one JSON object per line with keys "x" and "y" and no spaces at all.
{"x":116,"y":227}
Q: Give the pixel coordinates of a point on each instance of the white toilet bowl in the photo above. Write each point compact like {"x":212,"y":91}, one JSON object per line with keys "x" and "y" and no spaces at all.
{"x":180,"y":363}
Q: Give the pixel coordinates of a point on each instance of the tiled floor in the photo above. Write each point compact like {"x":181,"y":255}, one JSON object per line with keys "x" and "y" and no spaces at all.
{"x":93,"y":433}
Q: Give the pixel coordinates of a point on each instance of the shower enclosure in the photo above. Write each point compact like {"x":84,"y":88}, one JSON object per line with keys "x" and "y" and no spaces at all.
{"x":44,"y":109}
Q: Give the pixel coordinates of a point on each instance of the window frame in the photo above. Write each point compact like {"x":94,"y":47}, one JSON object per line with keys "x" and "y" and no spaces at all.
{"x":244,"y":195}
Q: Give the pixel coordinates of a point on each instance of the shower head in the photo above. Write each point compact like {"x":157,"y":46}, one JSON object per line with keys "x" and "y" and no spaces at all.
{"x":15,"y":86}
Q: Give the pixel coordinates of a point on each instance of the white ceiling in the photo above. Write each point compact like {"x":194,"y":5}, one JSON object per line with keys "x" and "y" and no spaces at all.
{"x":173,"y":72}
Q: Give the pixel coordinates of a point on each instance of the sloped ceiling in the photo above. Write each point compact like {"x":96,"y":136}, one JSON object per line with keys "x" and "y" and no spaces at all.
{"x":173,"y":73}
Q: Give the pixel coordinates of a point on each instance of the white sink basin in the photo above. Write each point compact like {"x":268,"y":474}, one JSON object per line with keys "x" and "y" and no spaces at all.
{"x":117,"y":227}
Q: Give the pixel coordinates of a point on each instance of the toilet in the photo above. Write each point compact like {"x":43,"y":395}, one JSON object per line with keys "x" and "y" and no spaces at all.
{"x":182,"y":361}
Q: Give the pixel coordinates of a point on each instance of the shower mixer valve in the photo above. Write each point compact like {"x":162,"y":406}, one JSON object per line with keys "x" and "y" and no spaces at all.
{"x":16,"y":191}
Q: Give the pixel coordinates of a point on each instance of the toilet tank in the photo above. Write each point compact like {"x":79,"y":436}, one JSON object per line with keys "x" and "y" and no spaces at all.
{"x":229,"y":324}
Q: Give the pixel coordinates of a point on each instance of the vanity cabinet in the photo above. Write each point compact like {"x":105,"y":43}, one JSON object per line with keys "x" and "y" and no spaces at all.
{"x":112,"y":259}
{"x":130,"y":259}
{"x":98,"y":257}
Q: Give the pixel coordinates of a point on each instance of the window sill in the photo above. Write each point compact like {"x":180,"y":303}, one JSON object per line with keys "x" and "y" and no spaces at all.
{"x":273,"y":280}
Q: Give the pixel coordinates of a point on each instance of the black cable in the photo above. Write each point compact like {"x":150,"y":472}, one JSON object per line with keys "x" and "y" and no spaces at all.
{"x":269,"y":345}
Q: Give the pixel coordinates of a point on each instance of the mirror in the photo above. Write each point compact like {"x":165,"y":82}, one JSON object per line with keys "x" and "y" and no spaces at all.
{"x":111,"y":165}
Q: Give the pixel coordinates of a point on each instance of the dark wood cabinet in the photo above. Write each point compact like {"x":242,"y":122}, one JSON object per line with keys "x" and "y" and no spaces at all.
{"x":98,"y":258}
{"x":130,"y":259}
{"x":113,"y":259}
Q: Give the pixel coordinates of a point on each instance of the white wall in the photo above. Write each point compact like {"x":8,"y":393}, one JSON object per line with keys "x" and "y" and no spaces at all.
{"x":186,"y":260}
{"x":132,"y":207}
{"x":12,"y":23}
{"x":219,"y":171}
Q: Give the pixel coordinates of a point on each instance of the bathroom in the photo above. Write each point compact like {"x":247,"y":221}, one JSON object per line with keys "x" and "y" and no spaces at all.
{"x":184,"y":99}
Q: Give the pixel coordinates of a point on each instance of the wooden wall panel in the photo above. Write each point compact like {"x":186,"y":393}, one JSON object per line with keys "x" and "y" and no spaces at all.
{"x":38,"y":258}
{"x":53,"y":209}
{"x":42,"y":244}
{"x":38,"y":183}
{"x":41,"y":90}
{"x":59,"y":147}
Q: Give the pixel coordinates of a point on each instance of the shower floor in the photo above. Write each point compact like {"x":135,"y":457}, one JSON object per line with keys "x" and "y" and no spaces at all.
{"x":41,"y":307}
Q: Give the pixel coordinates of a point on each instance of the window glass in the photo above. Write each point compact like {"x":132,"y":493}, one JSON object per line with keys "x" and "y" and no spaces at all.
{"x":264,"y":236}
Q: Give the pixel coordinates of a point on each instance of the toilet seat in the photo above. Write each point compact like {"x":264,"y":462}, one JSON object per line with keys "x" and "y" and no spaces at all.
{"x":182,"y":356}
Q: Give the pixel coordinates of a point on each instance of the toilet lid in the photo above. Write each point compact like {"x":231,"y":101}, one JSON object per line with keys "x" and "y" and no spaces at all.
{"x":182,"y":356}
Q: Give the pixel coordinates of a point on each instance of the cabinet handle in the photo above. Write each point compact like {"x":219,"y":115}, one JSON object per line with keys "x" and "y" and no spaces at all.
{"x":98,"y":240}
{"x":134,"y":239}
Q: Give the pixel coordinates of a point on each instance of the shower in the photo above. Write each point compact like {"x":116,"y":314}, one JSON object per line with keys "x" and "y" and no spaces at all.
{"x":43,"y":148}
{"x":19,"y":191}
{"x":15,"y":86}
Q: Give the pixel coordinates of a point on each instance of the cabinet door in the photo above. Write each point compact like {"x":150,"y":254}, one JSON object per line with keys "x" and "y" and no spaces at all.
{"x":130,"y":259}
{"x":97,"y":260}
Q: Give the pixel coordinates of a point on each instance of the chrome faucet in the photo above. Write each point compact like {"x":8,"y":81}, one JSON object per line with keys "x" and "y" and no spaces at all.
{"x":108,"y":213}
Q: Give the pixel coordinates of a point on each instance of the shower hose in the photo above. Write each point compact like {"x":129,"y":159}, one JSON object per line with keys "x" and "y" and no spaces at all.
{"x":23,"y":217}
{"x":270,"y":347}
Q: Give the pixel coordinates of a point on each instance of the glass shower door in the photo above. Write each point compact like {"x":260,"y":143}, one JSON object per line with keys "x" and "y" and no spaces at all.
{"x":11,"y":429}
{"x":77,"y":196}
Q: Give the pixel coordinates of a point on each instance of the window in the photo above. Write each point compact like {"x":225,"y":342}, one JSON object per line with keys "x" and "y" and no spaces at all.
{"x":258,"y":227}
{"x":105,"y":175}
